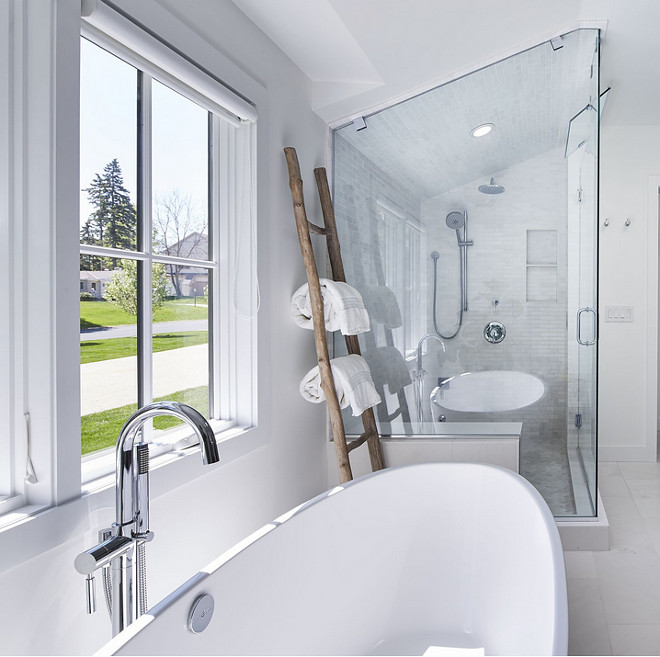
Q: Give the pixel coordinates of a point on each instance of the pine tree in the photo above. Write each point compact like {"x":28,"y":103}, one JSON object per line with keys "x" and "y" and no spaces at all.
{"x":113,"y":222}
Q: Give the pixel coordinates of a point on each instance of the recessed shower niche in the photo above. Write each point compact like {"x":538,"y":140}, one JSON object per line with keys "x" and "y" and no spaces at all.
{"x":469,"y":230}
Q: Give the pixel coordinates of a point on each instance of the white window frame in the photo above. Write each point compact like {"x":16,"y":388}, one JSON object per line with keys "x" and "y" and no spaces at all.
{"x":230,"y":143}
{"x":39,"y":355}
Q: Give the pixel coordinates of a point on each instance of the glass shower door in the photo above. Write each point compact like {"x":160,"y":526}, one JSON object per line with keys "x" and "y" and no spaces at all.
{"x":586,"y":337}
{"x":586,"y":330}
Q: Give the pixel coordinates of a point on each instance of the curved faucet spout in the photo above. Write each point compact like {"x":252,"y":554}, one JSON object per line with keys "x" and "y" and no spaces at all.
{"x":419,"y":373}
{"x":420,"y":344}
{"x":182,"y":411}
{"x":125,"y":442}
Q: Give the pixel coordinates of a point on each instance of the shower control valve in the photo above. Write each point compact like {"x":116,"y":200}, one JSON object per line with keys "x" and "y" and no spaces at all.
{"x":494,"y":332}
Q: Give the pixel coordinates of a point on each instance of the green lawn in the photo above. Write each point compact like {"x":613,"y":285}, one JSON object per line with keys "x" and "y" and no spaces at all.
{"x":101,"y":430}
{"x":96,"y":314}
{"x":95,"y":350}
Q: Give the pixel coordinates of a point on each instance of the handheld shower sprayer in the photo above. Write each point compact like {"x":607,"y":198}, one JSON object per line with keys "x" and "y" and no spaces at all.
{"x":456,"y":221}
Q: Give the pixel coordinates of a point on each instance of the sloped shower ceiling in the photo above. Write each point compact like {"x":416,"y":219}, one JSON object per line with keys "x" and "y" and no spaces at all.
{"x":426,"y":144}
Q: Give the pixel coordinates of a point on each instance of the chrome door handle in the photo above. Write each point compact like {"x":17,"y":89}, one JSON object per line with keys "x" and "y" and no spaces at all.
{"x":586,"y":343}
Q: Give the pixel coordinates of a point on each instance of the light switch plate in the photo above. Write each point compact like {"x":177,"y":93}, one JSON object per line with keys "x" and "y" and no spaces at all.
{"x":619,"y":314}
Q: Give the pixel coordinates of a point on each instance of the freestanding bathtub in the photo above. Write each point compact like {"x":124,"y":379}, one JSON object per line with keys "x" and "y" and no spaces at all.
{"x":412,"y":560}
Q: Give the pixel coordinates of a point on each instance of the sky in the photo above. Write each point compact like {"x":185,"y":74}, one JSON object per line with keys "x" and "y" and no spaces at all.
{"x":108,"y":130}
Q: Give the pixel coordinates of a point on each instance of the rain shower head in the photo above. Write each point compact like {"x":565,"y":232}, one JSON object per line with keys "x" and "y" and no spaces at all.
{"x":455,"y":220}
{"x":491,"y":188}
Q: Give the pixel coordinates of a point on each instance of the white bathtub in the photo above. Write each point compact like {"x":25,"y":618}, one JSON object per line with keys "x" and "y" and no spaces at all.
{"x":405,"y":561}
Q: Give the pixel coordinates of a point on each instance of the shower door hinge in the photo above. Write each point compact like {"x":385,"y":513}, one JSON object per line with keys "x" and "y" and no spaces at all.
{"x":578,"y":420}
{"x":579,"y":195}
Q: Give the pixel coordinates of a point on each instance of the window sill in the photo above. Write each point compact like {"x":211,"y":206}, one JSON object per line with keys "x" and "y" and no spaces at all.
{"x":13,"y":511}
{"x":30,"y":531}
{"x":98,"y":469}
{"x":10,"y":502}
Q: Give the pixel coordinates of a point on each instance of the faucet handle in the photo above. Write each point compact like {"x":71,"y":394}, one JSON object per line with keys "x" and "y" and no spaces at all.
{"x":90,"y":594}
{"x":102,"y":554}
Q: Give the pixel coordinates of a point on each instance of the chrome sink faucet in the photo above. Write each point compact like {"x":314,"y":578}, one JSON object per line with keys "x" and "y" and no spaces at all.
{"x":120,"y":554}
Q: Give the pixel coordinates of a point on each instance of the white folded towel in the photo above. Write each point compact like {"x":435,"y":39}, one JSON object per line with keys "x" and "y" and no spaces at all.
{"x":343,"y":308}
{"x":352,"y":382}
{"x":383,"y":306}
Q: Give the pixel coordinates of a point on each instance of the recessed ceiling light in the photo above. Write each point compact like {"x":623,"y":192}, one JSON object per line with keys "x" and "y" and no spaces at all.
{"x":482,"y":129}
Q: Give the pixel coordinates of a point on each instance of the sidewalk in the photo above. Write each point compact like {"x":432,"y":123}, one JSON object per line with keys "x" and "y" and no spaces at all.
{"x":112,"y":383}
{"x":130,"y":330}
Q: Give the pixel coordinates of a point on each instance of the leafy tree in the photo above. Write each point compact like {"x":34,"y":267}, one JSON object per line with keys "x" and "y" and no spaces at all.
{"x":179,"y":231}
{"x":122,"y":290}
{"x":113,"y":222}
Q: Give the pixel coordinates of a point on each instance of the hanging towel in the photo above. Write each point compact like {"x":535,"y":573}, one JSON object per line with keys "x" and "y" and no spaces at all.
{"x":388,"y":367}
{"x":383,"y":306}
{"x":342,"y":305}
{"x":352,"y":382}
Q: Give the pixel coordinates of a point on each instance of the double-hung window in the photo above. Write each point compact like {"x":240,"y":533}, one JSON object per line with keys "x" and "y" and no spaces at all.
{"x":166,"y":233}
{"x":157,"y":223}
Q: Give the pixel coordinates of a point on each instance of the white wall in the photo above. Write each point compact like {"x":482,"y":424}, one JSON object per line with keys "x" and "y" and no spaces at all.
{"x":196,"y":513}
{"x":630,"y":155}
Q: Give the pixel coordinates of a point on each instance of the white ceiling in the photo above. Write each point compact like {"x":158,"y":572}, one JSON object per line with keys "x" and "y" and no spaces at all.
{"x":362,"y":54}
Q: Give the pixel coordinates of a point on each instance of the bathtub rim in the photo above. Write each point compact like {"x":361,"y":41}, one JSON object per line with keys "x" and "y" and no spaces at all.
{"x":560,"y":635}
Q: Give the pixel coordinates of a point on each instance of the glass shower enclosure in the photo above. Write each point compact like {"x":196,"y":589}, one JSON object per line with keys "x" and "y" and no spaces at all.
{"x":468,"y":220}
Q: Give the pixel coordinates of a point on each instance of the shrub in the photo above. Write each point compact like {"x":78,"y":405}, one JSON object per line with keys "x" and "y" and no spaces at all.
{"x":122,"y":288}
{"x":87,"y":296}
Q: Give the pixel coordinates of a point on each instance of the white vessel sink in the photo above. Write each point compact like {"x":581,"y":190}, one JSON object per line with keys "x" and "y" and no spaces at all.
{"x":489,"y":391}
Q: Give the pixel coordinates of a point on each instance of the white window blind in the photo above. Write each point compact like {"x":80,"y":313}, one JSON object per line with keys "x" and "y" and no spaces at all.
{"x":105,"y":22}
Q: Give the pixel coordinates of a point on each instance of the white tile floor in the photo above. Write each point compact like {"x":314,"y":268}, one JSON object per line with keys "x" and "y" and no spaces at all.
{"x":614,"y":596}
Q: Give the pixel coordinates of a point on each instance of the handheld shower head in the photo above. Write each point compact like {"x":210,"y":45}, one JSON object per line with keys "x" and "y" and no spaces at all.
{"x":455,"y":220}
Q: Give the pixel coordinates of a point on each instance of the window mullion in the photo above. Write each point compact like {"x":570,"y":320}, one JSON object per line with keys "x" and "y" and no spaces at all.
{"x":144,"y":210}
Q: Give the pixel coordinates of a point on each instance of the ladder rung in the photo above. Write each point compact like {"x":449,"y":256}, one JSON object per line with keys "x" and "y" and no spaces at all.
{"x":361,"y":440}
{"x":317,"y":229}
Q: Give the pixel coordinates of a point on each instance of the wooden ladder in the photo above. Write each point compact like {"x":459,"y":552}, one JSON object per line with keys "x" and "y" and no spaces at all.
{"x":329,"y":231}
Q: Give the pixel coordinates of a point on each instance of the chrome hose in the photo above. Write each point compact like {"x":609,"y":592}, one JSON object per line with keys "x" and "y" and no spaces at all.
{"x":141,"y":574}
{"x":107,"y":589}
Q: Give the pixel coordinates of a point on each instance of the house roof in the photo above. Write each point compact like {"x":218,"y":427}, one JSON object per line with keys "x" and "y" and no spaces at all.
{"x":195,"y":245}
{"x":104,"y":275}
